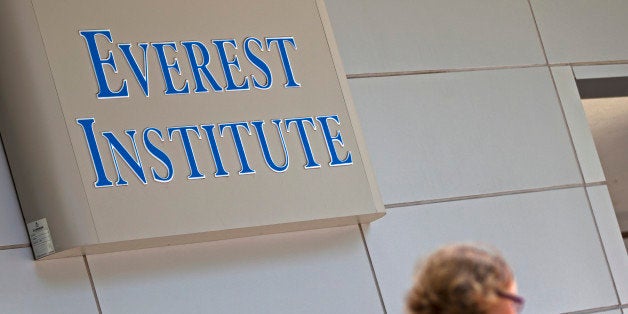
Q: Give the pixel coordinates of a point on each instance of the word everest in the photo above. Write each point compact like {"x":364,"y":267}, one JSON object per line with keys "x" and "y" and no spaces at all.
{"x":198,"y":56}
{"x":213,"y":135}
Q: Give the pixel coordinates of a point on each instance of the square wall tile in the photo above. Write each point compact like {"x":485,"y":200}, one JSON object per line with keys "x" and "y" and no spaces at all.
{"x":12,"y":229}
{"x":583,"y":30}
{"x":455,"y":134}
{"x":320,"y":271}
{"x":618,"y":311}
{"x":600,"y":71}
{"x":56,"y":286}
{"x":611,"y":238}
{"x":411,"y":35}
{"x":578,"y":124}
{"x":548,"y":238}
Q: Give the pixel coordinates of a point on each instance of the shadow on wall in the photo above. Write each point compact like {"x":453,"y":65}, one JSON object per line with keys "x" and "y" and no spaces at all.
{"x":605,"y":102}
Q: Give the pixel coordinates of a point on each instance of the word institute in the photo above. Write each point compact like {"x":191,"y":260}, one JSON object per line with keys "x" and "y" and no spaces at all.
{"x":134,"y":162}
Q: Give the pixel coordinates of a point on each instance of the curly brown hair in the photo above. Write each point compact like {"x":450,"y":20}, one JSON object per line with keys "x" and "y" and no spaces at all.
{"x":457,"y":279}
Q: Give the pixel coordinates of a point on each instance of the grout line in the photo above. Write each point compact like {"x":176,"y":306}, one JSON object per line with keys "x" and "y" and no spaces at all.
{"x":486,"y":68}
{"x":418,"y":72}
{"x":596,"y":310}
{"x":538,"y":32}
{"x":91,"y":282}
{"x":585,"y":63}
{"x":476,"y":196}
{"x":14,"y":246}
{"x":591,"y":184}
{"x":368,"y":255}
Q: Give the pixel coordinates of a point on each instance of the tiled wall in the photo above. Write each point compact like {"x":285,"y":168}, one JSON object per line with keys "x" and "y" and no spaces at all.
{"x":476,"y":132}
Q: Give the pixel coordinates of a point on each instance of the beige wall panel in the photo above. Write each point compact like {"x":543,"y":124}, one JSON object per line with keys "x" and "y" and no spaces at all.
{"x":55,"y":287}
{"x":419,"y":35}
{"x":611,"y":238}
{"x":34,"y":132}
{"x":578,"y":126}
{"x":583,"y":30}
{"x":549,"y":238}
{"x":310,"y":272}
{"x":136,"y":210}
{"x":457,"y":134}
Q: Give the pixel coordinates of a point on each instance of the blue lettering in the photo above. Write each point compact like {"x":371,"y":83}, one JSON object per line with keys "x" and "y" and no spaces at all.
{"x":281,"y":45}
{"x":159,"y":155}
{"x":305,"y":142}
{"x":142,"y":78}
{"x":238,"y":143}
{"x":165,"y":68}
{"x":259,"y":63}
{"x":220,"y":169}
{"x":226,"y":64}
{"x":198,"y":68}
{"x":333,"y":155}
{"x":259,"y":127}
{"x":88,"y":131}
{"x":98,"y":65}
{"x":187,"y":146}
{"x":134,"y":165}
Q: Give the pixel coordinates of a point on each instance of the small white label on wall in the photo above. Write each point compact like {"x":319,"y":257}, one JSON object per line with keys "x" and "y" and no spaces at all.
{"x":41,"y":241}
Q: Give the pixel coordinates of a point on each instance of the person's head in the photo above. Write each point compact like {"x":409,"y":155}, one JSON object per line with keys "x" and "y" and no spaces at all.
{"x":464,"y":278}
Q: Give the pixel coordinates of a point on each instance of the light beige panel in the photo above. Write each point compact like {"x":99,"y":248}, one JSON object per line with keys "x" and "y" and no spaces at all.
{"x":583,"y":30}
{"x":457,"y":134}
{"x":616,"y":311}
{"x":578,"y":126}
{"x":616,"y":253}
{"x":549,"y":238}
{"x":183,"y":206}
{"x":415,"y":35}
{"x":310,"y":272}
{"x":34,"y":132}
{"x":600,"y":71}
{"x":30,"y":287}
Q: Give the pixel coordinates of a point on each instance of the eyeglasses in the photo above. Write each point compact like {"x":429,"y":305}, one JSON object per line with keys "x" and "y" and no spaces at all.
{"x":517,"y":300}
